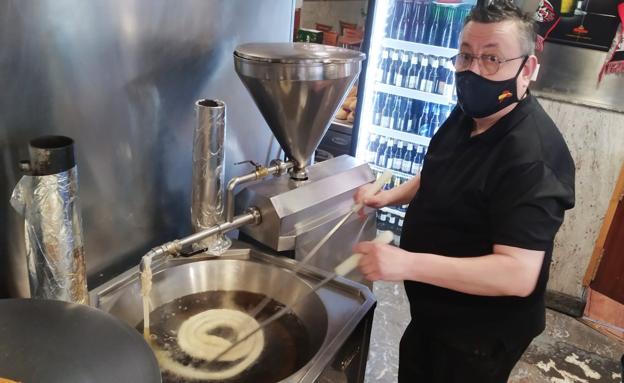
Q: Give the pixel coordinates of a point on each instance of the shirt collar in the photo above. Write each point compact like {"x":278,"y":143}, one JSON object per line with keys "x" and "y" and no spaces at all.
{"x":505,"y":123}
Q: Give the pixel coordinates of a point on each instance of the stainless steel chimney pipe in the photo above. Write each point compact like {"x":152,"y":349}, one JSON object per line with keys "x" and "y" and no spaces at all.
{"x":208,"y":173}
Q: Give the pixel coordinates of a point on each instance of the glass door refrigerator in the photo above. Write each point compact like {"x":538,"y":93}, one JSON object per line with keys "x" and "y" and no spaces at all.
{"x":408,"y":87}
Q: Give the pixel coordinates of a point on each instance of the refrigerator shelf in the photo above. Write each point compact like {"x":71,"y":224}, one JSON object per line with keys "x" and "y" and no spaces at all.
{"x":393,"y":211}
{"x":419,"y":48}
{"x":398,"y":135}
{"x":395,"y":172}
{"x":413,"y":94}
{"x":342,"y":123}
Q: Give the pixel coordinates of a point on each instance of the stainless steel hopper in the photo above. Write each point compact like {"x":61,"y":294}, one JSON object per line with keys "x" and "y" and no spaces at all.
{"x":297,"y":87}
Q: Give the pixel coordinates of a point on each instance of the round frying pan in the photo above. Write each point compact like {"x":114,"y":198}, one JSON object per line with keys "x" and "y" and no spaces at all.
{"x":54,"y":341}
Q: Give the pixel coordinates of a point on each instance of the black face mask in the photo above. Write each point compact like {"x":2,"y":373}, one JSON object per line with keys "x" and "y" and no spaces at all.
{"x":479,"y":97}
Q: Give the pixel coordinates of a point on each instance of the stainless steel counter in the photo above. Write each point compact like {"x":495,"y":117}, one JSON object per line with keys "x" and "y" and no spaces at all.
{"x":348,"y":305}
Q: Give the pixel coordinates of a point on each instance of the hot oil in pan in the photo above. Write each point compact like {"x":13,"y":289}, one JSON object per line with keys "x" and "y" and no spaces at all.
{"x":286,"y":341}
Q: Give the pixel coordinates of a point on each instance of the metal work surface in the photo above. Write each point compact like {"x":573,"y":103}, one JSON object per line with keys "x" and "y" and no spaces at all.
{"x":121,"y":78}
{"x":330,"y":315}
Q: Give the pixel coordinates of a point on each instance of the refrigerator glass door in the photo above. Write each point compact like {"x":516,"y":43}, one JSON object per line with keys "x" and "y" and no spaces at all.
{"x":409,"y":88}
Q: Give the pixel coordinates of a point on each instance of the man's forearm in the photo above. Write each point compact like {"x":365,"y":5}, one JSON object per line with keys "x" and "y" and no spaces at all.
{"x":404,"y":193}
{"x":489,"y":275}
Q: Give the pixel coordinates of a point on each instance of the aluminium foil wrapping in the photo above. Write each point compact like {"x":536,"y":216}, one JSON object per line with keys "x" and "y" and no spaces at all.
{"x":207,"y":205}
{"x":53,"y":235}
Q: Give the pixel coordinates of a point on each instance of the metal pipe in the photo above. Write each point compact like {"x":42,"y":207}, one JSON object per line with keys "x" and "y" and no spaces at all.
{"x":208,"y":173}
{"x":277,"y":168}
{"x":158,"y":253}
{"x":251,"y":216}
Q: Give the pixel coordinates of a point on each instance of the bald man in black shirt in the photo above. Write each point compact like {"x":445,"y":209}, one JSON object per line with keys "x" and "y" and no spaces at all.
{"x":478,"y":234}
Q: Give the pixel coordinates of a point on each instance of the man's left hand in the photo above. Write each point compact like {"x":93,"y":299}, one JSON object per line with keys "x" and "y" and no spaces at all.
{"x":382,"y":262}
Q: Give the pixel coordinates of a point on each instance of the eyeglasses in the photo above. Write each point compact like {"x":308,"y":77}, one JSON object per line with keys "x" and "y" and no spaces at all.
{"x":488,"y":64}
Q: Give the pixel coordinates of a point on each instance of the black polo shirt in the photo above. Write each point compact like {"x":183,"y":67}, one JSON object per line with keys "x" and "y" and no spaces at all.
{"x":509,"y":185}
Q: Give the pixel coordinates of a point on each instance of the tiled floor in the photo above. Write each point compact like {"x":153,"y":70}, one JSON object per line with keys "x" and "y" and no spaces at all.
{"x":566,"y":352}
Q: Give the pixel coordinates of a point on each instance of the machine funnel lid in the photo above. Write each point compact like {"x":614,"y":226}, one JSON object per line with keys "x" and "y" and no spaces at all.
{"x":297,"y":53}
{"x":297,"y":87}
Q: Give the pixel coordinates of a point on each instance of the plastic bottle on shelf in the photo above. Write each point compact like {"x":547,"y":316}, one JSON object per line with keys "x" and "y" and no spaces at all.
{"x":401,"y":77}
{"x":418,"y":160}
{"x":386,"y":112}
{"x":460,"y":16}
{"x":371,"y":148}
{"x":432,"y":38}
{"x":396,"y":67}
{"x":381,"y":149}
{"x":391,"y":72}
{"x":397,"y":162}
{"x":400,"y":124}
{"x":390,"y":164}
{"x":412,"y":73}
{"x":406,"y":165}
{"x":414,"y":20}
{"x":382,"y":221}
{"x":442,"y":69}
{"x":423,"y":74}
{"x":425,"y":10}
{"x":407,"y":119}
{"x":417,"y":109}
{"x":392,"y":222}
{"x":378,"y":100}
{"x":432,"y":80}
{"x":392,"y":23}
{"x":384,"y":65}
{"x":423,"y":121}
{"x":413,"y":32}
{"x":446,"y":38}
{"x":395,"y":116}
{"x":422,"y":66}
{"x":444,"y":112}
{"x":388,"y":156}
{"x":405,"y":22}
{"x":434,"y":122}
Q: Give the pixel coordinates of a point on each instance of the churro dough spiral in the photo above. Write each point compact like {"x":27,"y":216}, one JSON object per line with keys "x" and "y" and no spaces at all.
{"x":196,"y":337}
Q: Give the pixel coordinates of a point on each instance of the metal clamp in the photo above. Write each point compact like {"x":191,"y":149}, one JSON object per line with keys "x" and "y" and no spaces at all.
{"x":254,"y":164}
{"x":277,"y":168}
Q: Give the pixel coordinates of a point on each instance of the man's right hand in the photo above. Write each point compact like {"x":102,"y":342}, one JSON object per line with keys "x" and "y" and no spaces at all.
{"x":365,"y":195}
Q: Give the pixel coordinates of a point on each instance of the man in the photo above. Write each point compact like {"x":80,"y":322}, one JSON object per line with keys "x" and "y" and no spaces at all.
{"x":478,"y":234}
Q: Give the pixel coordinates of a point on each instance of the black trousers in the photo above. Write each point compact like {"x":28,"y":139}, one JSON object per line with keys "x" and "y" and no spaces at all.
{"x":429,"y":357}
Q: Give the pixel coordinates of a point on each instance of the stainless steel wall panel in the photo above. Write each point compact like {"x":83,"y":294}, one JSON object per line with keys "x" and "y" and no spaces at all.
{"x":570,"y":74}
{"x":121,"y":78}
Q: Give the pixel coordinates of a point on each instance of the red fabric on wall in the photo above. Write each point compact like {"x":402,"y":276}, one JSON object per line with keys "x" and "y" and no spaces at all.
{"x":615,"y":57}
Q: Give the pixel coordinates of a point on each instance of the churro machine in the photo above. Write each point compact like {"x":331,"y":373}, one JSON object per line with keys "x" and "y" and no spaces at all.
{"x":286,"y":207}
